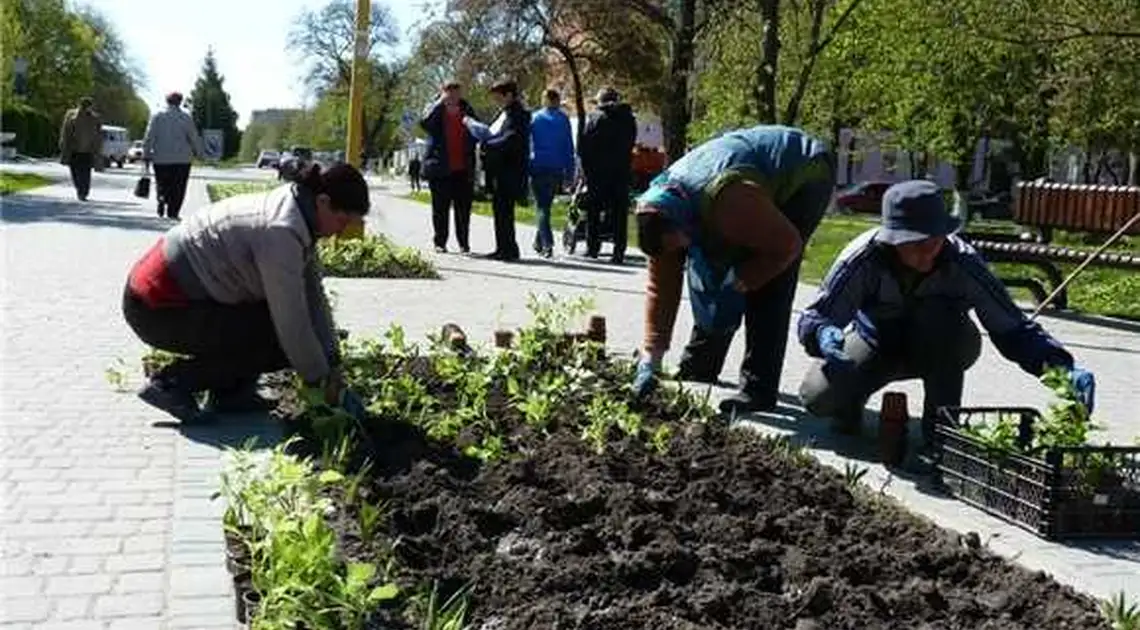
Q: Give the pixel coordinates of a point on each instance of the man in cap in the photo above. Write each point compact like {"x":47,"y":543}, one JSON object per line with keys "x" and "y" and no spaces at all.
{"x":606,"y":149}
{"x":81,"y":144}
{"x":895,"y":305}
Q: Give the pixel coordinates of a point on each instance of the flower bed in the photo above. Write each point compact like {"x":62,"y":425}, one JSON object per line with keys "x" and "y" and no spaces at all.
{"x":525,"y":489}
{"x":372,"y":256}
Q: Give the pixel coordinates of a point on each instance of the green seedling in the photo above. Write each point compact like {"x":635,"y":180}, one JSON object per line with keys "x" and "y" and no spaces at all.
{"x":448,"y":615}
{"x":661,"y":438}
{"x":372,"y":256}
{"x":370,"y":515}
{"x":1120,"y":614}
{"x":853,"y":474}
{"x":116,"y":375}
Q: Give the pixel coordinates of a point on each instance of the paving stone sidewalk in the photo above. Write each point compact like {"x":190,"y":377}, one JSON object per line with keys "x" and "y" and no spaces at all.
{"x":107,"y":520}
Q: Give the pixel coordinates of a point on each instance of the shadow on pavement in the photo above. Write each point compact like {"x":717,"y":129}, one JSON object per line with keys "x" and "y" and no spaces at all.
{"x":1115,"y":323}
{"x":545,"y":281}
{"x":230,"y":430}
{"x":89,"y":213}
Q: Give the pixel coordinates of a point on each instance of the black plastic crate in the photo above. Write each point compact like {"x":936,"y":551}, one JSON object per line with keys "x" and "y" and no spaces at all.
{"x":1046,"y":493}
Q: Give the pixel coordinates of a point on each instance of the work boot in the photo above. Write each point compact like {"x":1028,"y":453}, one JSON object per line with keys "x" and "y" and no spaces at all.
{"x":746,"y":401}
{"x":171,"y":399}
{"x":240,"y":399}
{"x":685,"y":373}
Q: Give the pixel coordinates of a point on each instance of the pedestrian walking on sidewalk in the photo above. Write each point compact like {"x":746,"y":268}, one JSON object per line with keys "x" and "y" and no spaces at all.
{"x":81,"y":144}
{"x":895,"y":306}
{"x":507,"y":141}
{"x":170,"y":142}
{"x":606,"y":150}
{"x":551,"y":164}
{"x":414,"y":165}
{"x":236,"y":289}
{"x":449,"y":165}
{"x":739,"y":208}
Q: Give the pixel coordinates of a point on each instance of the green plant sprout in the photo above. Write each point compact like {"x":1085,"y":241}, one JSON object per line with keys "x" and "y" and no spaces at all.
{"x":116,"y":375}
{"x":853,"y":474}
{"x":1118,"y":612}
{"x":448,"y":615}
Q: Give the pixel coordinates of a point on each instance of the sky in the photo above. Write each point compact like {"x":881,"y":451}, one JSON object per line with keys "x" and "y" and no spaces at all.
{"x":168,"y":39}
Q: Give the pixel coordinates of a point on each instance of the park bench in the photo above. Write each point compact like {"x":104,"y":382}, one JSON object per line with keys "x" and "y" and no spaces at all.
{"x":1045,"y":207}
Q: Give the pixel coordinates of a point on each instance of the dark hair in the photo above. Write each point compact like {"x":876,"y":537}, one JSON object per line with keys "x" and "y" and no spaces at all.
{"x":506,"y":86}
{"x":651,"y":230}
{"x":174,"y":98}
{"x":553,"y":95}
{"x":452,"y":85}
{"x":344,"y":185}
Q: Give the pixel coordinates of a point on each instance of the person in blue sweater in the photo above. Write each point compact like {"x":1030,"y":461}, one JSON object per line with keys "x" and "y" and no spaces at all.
{"x":551,"y":163}
{"x":895,"y":305}
{"x":737,"y":210}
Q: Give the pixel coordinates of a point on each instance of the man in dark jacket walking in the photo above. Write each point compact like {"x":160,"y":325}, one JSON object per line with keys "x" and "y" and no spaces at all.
{"x":449,"y":164}
{"x":606,"y":149}
{"x":508,"y":149}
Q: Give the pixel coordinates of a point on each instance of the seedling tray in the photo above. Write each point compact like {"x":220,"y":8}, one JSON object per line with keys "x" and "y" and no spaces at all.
{"x":1049,"y":493}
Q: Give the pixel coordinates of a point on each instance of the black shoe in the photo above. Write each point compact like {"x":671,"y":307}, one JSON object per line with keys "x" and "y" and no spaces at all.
{"x":618,"y":259}
{"x":242,"y":399}
{"x":684,"y":374}
{"x":465,"y":249}
{"x":491,"y":256}
{"x":510,"y":256}
{"x":745,"y":401}
{"x":176,"y":402}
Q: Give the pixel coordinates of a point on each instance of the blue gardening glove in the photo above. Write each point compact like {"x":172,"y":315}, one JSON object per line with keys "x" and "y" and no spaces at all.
{"x":830,"y":340}
{"x":645,"y":380}
{"x":1085,"y":385}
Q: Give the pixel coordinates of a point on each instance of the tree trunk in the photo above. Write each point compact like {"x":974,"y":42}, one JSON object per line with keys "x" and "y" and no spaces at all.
{"x":769,"y":61}
{"x":793,"y":111}
{"x":677,"y":109}
{"x":576,"y":81}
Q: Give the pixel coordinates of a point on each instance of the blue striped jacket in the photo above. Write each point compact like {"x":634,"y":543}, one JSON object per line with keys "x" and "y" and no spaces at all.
{"x":861,"y":288}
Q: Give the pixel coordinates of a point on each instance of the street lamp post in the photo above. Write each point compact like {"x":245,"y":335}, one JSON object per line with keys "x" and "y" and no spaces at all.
{"x":354,"y":143}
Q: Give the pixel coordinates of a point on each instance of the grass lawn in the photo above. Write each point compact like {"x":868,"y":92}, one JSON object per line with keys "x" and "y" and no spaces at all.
{"x":19,"y":182}
{"x":219,"y":191}
{"x":1097,"y":290}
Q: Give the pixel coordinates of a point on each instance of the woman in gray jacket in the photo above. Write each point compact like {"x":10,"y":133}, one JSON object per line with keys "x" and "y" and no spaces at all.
{"x":236,"y":288}
{"x":170,"y":142}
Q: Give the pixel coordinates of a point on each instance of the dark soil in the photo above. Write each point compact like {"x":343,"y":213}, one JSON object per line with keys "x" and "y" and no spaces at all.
{"x":722,"y":532}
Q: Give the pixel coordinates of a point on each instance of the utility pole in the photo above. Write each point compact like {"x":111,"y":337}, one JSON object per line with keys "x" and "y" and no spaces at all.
{"x":354,"y":142}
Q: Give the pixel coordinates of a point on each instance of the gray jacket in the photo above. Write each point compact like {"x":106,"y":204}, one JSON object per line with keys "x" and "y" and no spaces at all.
{"x":258,"y":247}
{"x":171,"y":138}
{"x":866,"y":287}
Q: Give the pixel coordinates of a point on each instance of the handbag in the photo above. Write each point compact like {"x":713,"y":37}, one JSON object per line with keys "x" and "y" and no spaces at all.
{"x":142,"y":187}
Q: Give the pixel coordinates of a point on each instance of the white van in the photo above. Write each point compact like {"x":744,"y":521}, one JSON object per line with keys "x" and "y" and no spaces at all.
{"x":116,"y":144}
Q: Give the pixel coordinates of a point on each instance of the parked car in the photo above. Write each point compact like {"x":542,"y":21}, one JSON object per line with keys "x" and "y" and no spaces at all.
{"x":862,"y":198}
{"x":135,"y":153}
{"x":268,"y":159}
{"x":116,"y":144}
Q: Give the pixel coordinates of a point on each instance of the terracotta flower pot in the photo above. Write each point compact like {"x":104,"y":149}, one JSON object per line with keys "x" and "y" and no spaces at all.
{"x":504,"y":338}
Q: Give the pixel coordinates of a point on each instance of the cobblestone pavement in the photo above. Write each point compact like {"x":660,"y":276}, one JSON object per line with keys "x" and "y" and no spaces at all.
{"x":107,"y":520}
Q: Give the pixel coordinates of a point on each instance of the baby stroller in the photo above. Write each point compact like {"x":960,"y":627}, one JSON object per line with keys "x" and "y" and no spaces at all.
{"x":575,"y":229}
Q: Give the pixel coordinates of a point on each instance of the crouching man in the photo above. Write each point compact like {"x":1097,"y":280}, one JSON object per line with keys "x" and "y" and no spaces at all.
{"x":906,"y":287}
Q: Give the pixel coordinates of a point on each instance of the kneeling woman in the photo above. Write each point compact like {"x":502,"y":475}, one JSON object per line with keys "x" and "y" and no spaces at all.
{"x":236,"y":288}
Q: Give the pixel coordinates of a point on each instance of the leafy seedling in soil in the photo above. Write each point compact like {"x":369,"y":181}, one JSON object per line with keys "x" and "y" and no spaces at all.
{"x":447,"y":615}
{"x":372,"y":256}
{"x":1118,"y":612}
{"x":853,"y":474}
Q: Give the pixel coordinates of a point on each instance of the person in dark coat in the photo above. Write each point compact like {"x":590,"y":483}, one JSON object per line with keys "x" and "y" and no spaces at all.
{"x":414,"y":166}
{"x":606,"y":149}
{"x":449,"y":164}
{"x":507,"y":140}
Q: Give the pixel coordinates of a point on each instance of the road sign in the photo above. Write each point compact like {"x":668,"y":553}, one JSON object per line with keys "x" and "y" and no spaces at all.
{"x":213,"y":140}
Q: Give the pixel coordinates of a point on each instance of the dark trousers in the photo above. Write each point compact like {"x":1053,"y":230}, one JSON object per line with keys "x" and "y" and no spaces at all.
{"x":170,"y":186}
{"x":456,"y":190}
{"x":936,"y":343}
{"x":414,"y":178}
{"x":608,"y":198}
{"x":228,"y":346}
{"x":80,"y":165}
{"x":506,"y":194}
{"x":767,"y":315}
